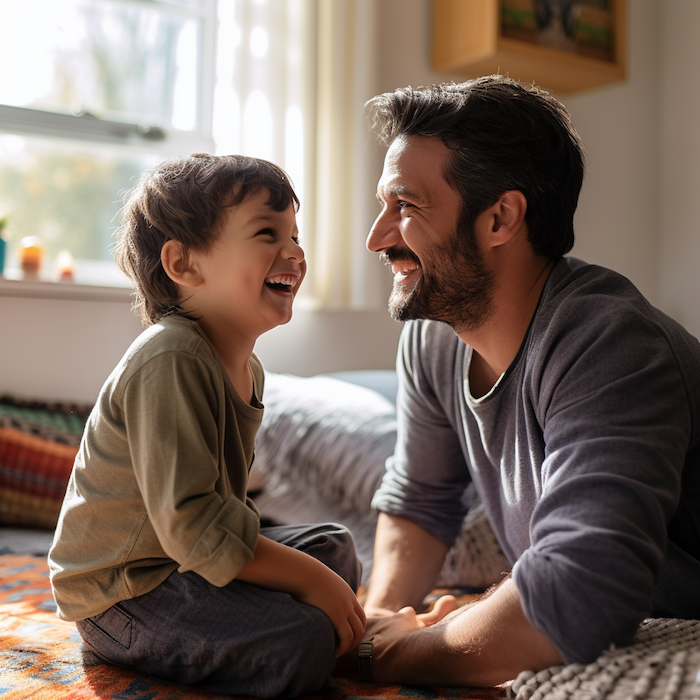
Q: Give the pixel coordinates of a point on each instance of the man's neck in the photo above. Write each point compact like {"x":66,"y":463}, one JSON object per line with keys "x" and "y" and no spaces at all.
{"x":496,"y":343}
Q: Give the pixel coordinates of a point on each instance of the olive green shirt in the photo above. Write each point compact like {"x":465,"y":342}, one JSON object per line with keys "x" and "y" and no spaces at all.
{"x":159,"y":483}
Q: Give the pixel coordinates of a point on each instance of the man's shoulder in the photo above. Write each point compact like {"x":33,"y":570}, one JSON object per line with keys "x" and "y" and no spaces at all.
{"x":584,"y":297}
{"x":593,"y":311}
{"x":574,"y":278}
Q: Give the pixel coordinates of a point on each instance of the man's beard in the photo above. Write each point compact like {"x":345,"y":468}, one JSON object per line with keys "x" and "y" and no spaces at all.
{"x":455,"y":285}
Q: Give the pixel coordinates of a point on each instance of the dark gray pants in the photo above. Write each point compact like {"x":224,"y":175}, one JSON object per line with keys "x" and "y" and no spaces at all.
{"x":239,"y":639}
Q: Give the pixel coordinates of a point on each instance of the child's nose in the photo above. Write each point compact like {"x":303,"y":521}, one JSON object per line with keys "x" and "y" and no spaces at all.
{"x":293,"y":251}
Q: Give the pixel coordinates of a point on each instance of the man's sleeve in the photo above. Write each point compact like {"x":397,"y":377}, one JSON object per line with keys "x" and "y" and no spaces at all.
{"x":173,"y":411}
{"x":617,"y":427}
{"x":426,"y":477}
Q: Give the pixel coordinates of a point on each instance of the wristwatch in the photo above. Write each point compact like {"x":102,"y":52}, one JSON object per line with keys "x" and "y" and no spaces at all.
{"x":364,"y":657}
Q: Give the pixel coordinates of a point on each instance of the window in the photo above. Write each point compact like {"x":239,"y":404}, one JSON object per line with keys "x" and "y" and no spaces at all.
{"x":92,"y":92}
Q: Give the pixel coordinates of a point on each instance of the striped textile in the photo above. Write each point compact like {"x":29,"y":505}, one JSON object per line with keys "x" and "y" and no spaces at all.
{"x":38,"y":443}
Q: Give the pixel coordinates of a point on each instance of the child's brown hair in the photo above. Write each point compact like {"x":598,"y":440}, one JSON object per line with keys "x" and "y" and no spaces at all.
{"x":183,"y":199}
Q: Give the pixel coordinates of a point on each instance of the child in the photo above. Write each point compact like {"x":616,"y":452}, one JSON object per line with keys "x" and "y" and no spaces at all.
{"x":158,"y":554}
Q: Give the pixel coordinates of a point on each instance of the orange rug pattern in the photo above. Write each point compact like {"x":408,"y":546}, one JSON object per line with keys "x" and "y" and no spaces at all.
{"x":43,"y":658}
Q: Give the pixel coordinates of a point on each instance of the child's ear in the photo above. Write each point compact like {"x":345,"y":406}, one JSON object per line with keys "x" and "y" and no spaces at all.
{"x":179,"y":266}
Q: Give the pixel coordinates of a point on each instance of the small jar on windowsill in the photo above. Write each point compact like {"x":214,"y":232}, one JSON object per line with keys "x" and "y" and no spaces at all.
{"x":64,"y":267}
{"x":31,"y":256}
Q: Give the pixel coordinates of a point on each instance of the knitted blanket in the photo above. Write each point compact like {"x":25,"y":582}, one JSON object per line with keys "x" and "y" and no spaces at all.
{"x":663,"y":663}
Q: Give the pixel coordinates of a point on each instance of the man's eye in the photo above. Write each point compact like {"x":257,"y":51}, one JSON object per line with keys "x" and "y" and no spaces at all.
{"x":401,"y":204}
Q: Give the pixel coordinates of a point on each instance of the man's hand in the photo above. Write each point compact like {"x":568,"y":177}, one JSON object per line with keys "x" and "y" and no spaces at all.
{"x":388,"y":625}
{"x":482,"y":644}
{"x":396,"y":625}
{"x":330,"y":593}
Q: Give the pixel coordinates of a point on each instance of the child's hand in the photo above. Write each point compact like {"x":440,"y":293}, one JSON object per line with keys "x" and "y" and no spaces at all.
{"x":310,"y":581}
{"x":331,"y":594}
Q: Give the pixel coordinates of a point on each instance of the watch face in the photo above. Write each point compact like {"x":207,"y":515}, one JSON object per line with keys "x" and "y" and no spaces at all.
{"x":365,"y":649}
{"x":364,"y":655}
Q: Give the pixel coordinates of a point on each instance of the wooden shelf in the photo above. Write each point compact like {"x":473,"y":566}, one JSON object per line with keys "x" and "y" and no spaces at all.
{"x":467,"y":38}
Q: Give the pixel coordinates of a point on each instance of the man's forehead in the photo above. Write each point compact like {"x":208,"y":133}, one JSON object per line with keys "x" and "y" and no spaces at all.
{"x":419,"y":147}
{"x":410,"y":163}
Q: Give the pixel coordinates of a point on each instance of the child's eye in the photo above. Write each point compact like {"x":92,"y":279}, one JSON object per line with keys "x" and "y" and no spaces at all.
{"x":266,"y":232}
{"x":296,"y":239}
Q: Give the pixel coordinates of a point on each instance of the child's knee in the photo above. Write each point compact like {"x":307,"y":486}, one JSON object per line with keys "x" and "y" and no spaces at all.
{"x":309,"y":658}
{"x":343,"y":557}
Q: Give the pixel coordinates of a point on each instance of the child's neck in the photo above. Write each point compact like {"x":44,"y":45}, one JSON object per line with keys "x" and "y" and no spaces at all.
{"x":242,"y":380}
{"x":234,"y":352}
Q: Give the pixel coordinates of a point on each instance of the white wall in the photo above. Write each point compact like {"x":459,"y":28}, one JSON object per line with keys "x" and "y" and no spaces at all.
{"x":617,"y":221}
{"x":636,"y":215}
{"x":61,"y":349}
{"x":679,"y":103}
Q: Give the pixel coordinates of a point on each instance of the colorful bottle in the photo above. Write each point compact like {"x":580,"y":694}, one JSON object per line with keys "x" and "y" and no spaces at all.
{"x":3,"y":244}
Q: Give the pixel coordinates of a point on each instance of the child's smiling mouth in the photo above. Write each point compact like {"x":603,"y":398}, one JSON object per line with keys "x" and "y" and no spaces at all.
{"x":283,"y":282}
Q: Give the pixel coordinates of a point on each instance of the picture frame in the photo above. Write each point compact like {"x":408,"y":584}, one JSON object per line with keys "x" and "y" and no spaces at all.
{"x":563,"y":46}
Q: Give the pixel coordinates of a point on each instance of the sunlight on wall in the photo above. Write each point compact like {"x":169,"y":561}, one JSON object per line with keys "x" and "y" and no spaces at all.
{"x":26,"y":69}
{"x":258,"y":42}
{"x":264,"y":68}
{"x":258,"y":138}
{"x":294,"y":148}
{"x":184,"y":107}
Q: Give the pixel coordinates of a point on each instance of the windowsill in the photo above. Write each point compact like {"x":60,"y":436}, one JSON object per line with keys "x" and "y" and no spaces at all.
{"x":62,"y":290}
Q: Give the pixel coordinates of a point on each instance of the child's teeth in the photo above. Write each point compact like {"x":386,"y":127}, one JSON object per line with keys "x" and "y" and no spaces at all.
{"x":281,"y":279}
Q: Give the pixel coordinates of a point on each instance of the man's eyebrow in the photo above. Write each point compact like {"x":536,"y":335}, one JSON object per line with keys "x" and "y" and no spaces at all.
{"x":397,"y":191}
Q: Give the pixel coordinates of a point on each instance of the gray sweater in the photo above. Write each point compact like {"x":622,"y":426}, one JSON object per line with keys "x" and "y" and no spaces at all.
{"x":585,"y":454}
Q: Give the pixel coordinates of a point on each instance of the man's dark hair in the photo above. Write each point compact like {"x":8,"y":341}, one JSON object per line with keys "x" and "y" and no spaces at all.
{"x":184,"y":199}
{"x":503,"y":135}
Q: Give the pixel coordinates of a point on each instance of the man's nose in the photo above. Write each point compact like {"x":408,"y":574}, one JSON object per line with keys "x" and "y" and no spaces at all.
{"x":383,"y":234}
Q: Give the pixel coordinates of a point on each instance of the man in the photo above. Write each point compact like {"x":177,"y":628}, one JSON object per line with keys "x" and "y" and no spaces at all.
{"x":570,"y":402}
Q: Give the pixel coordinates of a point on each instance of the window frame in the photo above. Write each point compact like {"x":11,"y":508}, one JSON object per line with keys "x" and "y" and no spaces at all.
{"x":26,"y":121}
{"x":131,"y":139}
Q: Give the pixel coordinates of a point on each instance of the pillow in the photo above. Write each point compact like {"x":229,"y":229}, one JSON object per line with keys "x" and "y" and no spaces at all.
{"x":38,"y":443}
{"x":383,"y":381}
{"x":324,"y":434}
{"x":320,"y":453}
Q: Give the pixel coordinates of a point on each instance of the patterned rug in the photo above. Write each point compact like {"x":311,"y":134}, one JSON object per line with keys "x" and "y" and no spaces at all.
{"x":43,"y":658}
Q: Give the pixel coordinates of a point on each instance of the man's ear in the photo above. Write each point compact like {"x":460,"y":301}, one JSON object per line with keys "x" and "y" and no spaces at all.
{"x":180,"y":266}
{"x":506,"y":217}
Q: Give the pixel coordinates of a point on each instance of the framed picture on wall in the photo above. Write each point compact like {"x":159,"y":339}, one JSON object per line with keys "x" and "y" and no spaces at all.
{"x":560,"y":45}
{"x":584,"y":27}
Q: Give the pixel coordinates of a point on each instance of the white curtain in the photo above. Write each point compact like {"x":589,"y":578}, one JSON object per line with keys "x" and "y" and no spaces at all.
{"x":292,"y":77}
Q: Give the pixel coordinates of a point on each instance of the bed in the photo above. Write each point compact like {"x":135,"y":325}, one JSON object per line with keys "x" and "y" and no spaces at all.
{"x":320,"y":455}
